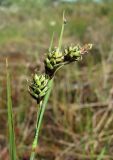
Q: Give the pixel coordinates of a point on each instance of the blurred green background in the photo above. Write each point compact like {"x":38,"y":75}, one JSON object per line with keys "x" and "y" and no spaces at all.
{"x":78,"y":123}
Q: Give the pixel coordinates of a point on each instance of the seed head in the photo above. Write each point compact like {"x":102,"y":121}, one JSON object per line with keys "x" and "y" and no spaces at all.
{"x":72,"y":53}
{"x":38,"y":87}
{"x":75,"y":53}
{"x":53,"y":61}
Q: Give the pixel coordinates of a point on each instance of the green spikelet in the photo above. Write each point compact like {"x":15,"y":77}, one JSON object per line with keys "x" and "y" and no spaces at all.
{"x":75,"y":53}
{"x":72,"y":53}
{"x":38,"y":87}
{"x":53,"y":61}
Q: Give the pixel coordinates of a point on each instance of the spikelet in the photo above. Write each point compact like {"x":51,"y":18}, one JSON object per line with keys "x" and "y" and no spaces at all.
{"x":72,"y":53}
{"x":38,"y":87}
{"x":75,"y":53}
{"x":53,"y":61}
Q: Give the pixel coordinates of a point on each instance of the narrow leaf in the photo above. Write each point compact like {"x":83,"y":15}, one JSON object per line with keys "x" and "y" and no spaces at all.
{"x":12,"y":146}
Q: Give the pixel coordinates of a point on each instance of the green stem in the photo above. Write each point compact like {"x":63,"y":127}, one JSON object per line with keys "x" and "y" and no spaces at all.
{"x":35,"y":141}
{"x":51,"y":43}
{"x":12,"y":145}
{"x":40,"y":114}
{"x":42,"y":106}
{"x":61,"y":34}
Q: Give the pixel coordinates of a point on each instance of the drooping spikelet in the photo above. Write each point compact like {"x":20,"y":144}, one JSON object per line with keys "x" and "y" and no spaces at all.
{"x":53,"y":60}
{"x":38,"y":87}
{"x":72,"y":53}
{"x":75,"y":53}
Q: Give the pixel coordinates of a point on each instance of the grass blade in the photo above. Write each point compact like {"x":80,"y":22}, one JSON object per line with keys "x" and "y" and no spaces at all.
{"x":100,"y":157}
{"x":12,"y":145}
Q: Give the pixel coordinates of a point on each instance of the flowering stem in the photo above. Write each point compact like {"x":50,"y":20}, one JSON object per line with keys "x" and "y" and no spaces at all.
{"x":35,"y":141}
{"x":40,"y":114}
{"x":61,"y":34}
{"x":51,"y":43}
{"x":43,"y":104}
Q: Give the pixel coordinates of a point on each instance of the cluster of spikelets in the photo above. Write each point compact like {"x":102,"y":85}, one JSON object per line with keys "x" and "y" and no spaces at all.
{"x":54,"y":60}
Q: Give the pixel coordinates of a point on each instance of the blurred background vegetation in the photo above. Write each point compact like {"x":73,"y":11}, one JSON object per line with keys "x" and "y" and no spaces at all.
{"x":78,"y":123}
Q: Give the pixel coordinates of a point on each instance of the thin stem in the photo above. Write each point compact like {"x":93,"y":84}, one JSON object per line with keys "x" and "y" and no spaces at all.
{"x":61,"y":34}
{"x":51,"y":43}
{"x":42,"y":106}
{"x":35,"y":141}
{"x":40,"y":114}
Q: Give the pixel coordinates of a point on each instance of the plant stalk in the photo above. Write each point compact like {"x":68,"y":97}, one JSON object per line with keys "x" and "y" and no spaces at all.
{"x":40,"y":115}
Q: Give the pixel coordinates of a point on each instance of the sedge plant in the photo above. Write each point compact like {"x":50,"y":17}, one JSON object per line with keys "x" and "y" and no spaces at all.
{"x":40,"y":86}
